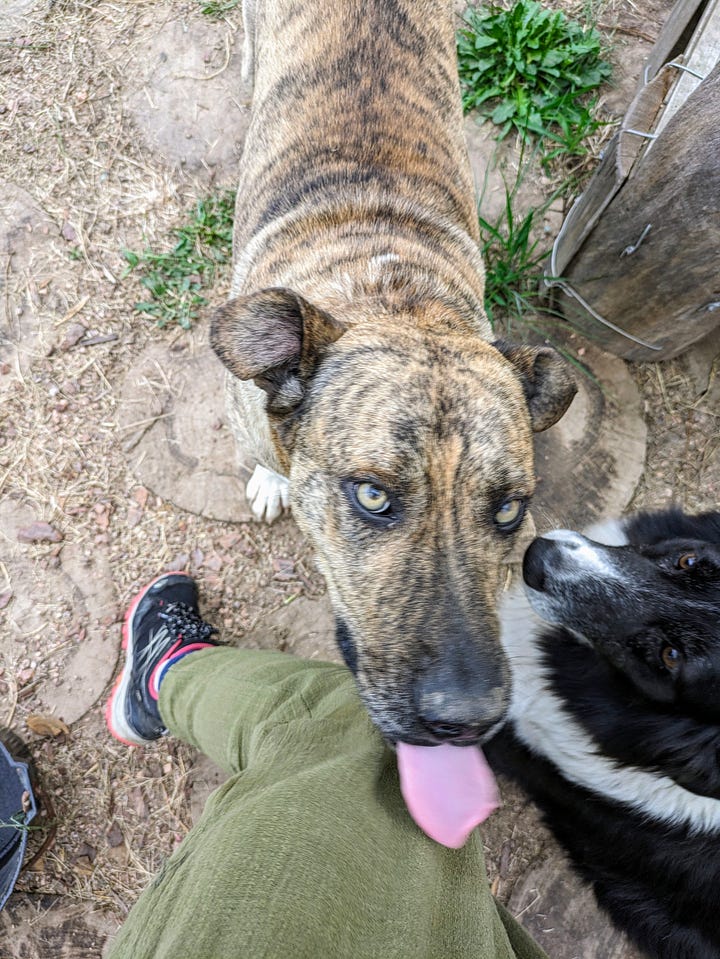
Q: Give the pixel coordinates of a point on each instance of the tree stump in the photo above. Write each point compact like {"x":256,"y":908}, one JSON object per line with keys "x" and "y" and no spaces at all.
{"x":651,"y":264}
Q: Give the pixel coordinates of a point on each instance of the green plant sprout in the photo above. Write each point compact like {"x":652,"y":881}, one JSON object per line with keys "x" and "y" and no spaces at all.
{"x":175,"y":279}
{"x":531,"y":69}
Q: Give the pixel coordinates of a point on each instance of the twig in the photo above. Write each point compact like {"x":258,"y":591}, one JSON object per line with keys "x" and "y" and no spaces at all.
{"x":628,"y":30}
{"x":74,"y":311}
{"x":95,"y":340}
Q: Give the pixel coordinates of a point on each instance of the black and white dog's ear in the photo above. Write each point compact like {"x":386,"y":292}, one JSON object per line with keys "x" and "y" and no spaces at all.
{"x":276,"y":338}
{"x":548,"y":384}
{"x":650,"y":527}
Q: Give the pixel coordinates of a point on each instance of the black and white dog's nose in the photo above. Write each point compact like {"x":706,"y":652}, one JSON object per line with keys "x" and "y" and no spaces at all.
{"x":562,"y":555}
{"x":534,"y":563}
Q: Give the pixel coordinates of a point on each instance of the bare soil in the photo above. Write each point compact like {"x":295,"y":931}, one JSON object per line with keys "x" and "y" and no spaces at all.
{"x":114,"y":118}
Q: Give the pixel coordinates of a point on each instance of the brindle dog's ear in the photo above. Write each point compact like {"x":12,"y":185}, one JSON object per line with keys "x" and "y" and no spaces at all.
{"x":274,"y":337}
{"x":545,"y":376}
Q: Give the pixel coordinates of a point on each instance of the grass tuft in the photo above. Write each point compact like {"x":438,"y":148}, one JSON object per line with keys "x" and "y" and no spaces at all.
{"x":175,"y":279}
{"x":512,"y":260}
{"x":533,"y":70}
{"x":217,"y":8}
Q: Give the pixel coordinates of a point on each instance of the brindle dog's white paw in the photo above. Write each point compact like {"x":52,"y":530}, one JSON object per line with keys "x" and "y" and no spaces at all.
{"x":268,"y":494}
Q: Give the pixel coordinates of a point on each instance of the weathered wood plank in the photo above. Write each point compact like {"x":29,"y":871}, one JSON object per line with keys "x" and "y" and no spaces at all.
{"x":616,"y":165}
{"x":702,"y":53}
{"x":673,"y":38}
{"x":665,"y":289}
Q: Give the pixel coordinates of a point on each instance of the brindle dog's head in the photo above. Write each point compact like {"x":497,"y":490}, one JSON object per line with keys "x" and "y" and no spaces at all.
{"x":411,"y":467}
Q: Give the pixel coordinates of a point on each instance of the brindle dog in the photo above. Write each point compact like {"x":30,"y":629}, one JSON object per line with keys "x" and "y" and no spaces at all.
{"x":360,"y":355}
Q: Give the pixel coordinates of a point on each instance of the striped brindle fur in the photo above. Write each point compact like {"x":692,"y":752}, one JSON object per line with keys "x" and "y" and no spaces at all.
{"x":359,"y":355}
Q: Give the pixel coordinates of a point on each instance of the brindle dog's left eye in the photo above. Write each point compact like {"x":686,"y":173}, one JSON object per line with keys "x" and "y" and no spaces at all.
{"x":510,"y":514}
{"x":686,"y":561}
{"x":372,"y":498}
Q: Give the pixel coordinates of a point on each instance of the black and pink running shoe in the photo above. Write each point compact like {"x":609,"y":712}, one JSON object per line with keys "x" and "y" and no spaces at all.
{"x":161,"y":626}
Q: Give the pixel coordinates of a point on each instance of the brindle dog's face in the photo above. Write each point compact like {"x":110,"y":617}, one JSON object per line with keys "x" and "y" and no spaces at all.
{"x":411,"y":468}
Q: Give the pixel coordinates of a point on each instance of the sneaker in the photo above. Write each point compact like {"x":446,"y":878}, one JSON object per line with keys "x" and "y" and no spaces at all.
{"x":162,"y":625}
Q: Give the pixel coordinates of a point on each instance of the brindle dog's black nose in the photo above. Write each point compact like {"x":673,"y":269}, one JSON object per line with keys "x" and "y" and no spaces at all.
{"x":463,"y":695}
{"x":455,"y":732}
{"x":451,"y":717}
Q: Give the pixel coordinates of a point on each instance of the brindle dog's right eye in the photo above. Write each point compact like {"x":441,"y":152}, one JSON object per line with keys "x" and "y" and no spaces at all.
{"x":510,"y":514}
{"x":372,"y":498}
{"x":373,"y":503}
{"x":686,"y":561}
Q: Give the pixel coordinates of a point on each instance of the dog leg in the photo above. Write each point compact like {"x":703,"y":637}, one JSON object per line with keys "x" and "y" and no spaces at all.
{"x":268,"y":494}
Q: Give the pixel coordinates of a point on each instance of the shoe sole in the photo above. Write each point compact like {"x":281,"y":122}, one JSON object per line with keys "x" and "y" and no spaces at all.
{"x":115,"y":709}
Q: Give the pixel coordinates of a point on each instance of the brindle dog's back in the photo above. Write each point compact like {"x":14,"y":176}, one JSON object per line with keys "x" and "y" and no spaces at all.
{"x":357,"y":156}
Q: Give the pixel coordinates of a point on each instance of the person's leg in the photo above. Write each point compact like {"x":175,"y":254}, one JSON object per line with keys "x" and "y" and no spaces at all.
{"x":217,"y":704}
{"x":308,"y":849}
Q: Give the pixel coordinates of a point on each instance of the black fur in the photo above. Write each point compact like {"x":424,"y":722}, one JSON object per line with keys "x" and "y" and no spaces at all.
{"x":659,"y":882}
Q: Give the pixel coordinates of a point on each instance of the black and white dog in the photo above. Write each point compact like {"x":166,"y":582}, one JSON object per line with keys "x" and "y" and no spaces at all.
{"x":614,"y":726}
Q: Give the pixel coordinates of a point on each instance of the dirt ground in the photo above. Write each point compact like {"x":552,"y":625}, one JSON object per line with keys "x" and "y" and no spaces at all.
{"x":114,"y":118}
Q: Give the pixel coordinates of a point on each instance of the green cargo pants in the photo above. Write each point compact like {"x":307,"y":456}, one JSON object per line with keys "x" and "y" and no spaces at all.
{"x":307,"y":850}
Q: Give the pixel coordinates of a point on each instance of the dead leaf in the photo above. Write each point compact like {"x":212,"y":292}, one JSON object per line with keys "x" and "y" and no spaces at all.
{"x":114,"y":836}
{"x":214,"y":562}
{"x":138,"y":802}
{"x":39,"y":533}
{"x":83,"y":867}
{"x":228,"y":540}
{"x":86,"y":851}
{"x":47,"y":725}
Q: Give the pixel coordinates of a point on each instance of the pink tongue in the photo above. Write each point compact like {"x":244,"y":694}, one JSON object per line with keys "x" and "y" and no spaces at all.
{"x":448,"y":789}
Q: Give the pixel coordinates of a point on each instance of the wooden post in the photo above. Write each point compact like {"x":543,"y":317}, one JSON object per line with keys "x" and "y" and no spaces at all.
{"x":651,"y":264}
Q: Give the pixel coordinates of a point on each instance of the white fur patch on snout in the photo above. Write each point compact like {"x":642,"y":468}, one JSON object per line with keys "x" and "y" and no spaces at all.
{"x":581,"y":557}
{"x":268,"y":494}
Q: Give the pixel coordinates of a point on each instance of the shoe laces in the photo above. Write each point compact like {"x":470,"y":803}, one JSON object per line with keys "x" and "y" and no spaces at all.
{"x":183,"y":621}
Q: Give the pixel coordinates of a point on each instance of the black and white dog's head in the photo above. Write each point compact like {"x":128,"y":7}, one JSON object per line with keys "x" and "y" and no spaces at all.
{"x":649,"y":603}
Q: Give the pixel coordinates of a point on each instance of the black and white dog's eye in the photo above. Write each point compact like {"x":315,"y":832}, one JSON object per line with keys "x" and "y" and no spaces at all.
{"x":686,"y":561}
{"x":671,"y":657}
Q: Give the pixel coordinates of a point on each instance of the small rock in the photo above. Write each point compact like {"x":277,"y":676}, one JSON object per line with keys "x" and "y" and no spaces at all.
{"x":178,"y":564}
{"x":134,"y":515}
{"x":74,"y":332}
{"x":68,"y":232}
{"x":5,"y":598}
{"x":25,"y":676}
{"x":39,"y":533}
{"x":140,"y":495}
{"x":284,"y":569}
